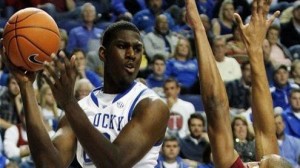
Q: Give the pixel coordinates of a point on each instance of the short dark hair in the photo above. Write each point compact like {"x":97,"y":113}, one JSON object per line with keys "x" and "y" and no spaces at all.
{"x":170,"y":138}
{"x":114,"y":28}
{"x":196,"y":116}
{"x":158,"y":57}
{"x":169,"y":80}
{"x":76,"y":50}
{"x":294,"y":91}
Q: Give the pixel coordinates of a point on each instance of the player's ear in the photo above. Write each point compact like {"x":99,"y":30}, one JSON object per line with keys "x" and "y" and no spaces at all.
{"x":101,"y":53}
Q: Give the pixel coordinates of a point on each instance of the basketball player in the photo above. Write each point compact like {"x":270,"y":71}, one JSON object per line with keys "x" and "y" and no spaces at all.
{"x":215,"y":99}
{"x":120,"y":124}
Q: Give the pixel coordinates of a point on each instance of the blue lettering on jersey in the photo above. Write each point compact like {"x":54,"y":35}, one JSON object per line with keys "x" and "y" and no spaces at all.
{"x":107,"y":121}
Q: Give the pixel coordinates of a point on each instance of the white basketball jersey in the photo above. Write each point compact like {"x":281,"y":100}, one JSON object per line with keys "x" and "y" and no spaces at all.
{"x":110,"y":113}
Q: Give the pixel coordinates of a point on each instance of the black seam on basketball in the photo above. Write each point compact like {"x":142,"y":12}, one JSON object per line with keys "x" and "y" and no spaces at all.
{"x":34,"y":44}
{"x":17,"y":43}
{"x":25,"y":17}
{"x":24,"y":27}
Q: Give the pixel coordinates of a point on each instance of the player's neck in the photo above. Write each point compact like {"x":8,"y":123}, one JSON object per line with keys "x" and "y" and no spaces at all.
{"x":114,"y":88}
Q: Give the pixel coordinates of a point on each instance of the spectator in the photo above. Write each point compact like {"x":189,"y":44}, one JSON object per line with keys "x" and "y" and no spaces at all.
{"x":180,"y":109}
{"x":295,"y":72}
{"x":223,"y":24}
{"x":82,"y":88}
{"x":291,"y":115}
{"x":279,"y":53}
{"x":241,"y":6}
{"x":229,"y":68}
{"x":193,"y":145}
{"x":82,"y":69}
{"x":282,"y":87}
{"x":289,"y":146}
{"x":50,"y":112}
{"x":15,"y":143}
{"x":63,"y":41}
{"x":290,"y":32}
{"x":169,"y":155}
{"x":87,"y":36}
{"x":10,"y":104}
{"x":238,"y":91}
{"x":243,"y":139}
{"x":268,"y":64}
{"x":161,"y":40}
{"x":144,"y":19}
{"x":156,"y":79}
{"x":183,"y":66}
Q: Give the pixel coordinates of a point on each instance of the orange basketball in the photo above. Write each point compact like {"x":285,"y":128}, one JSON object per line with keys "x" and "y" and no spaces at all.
{"x":30,"y":36}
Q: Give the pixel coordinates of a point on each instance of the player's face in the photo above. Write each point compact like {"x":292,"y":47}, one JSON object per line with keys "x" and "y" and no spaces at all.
{"x":170,"y":149}
{"x":159,"y":67}
{"x":171,"y":89}
{"x":123,"y":57}
{"x":196,"y":127}
{"x":240,"y":129}
{"x":295,"y":101}
{"x":183,"y":47}
{"x":281,"y":77}
{"x":13,"y":87}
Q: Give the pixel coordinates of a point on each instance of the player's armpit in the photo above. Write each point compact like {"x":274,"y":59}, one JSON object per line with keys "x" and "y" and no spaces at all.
{"x":146,"y":128}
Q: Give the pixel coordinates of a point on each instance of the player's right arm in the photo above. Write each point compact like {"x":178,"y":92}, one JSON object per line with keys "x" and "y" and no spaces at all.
{"x":44,"y":153}
{"x":213,"y":94}
{"x":253,"y":35}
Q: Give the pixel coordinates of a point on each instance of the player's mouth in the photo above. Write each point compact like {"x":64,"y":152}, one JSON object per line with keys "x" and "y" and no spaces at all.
{"x":130,"y":68}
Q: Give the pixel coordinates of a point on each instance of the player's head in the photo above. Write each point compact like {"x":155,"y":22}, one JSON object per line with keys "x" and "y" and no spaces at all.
{"x":121,"y":52}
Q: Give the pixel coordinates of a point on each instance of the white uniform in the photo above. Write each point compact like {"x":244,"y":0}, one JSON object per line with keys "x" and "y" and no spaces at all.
{"x":110,"y":113}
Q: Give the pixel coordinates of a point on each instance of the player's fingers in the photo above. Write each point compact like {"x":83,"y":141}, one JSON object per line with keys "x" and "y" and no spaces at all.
{"x":273,"y":17}
{"x":72,"y":66}
{"x":260,"y":7}
{"x":51,"y":71}
{"x":254,"y":8}
{"x":238,"y":20}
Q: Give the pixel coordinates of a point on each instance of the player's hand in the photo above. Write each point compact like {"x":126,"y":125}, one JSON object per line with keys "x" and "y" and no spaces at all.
{"x":21,"y":75}
{"x":192,"y":15}
{"x":255,"y":31}
{"x":61,"y":78}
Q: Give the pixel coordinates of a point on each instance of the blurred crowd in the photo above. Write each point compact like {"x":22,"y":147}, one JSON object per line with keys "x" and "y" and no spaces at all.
{"x":170,"y":68}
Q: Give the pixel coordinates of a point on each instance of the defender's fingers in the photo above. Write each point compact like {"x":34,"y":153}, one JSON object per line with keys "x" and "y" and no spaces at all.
{"x":238,"y":20}
{"x":261,"y":7}
{"x":273,"y":17}
{"x":254,"y":8}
